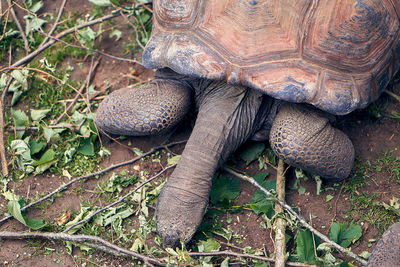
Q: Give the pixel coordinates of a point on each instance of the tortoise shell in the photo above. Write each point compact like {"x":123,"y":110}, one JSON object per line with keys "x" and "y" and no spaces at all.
{"x":337,"y":55}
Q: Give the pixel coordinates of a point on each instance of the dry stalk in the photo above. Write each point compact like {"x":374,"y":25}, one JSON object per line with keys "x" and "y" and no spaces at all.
{"x":103,"y":245}
{"x":55,"y":23}
{"x":4,"y":164}
{"x":280,"y":223}
{"x":20,"y":29}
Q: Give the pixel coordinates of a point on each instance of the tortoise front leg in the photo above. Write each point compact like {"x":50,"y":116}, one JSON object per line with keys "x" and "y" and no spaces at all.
{"x":303,"y":138}
{"x":150,"y":109}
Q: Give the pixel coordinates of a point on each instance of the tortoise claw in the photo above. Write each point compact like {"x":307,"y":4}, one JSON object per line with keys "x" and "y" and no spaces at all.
{"x":178,"y":215}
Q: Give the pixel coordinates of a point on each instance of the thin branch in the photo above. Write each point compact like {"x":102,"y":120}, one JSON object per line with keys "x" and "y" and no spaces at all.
{"x":72,"y":127}
{"x":298,"y":217}
{"x":5,"y":23}
{"x":119,"y":200}
{"x":80,"y":91}
{"x":243,"y":255}
{"x":4,"y":164}
{"x":21,"y":30}
{"x":61,"y":188}
{"x":103,"y":245}
{"x":55,"y":23}
{"x":59,"y":36}
{"x":280,"y":223}
{"x":90,"y":241}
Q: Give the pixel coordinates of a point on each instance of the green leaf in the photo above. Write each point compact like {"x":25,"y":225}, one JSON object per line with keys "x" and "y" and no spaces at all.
{"x":209,"y":245}
{"x":14,"y":208}
{"x":33,"y":23}
{"x":20,"y":120}
{"x":252,"y":152}
{"x":328,"y":198}
{"x":301,"y":190}
{"x":305,"y":246}
{"x":116,"y":33}
{"x":86,"y":147}
{"x":345,"y":235}
{"x":36,"y":7}
{"x":173,"y":160}
{"x":101,"y":2}
{"x":86,"y":36}
{"x":18,"y":76}
{"x":38,"y":114}
{"x":36,"y":147}
{"x":260,"y":203}
{"x":47,"y":157}
{"x":50,"y":134}
{"x":224,"y":189}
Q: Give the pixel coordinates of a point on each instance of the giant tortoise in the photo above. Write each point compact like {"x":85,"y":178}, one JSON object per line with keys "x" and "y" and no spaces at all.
{"x":276,"y":69}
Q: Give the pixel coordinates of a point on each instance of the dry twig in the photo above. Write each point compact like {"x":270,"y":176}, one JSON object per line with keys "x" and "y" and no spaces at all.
{"x":298,"y":217}
{"x":103,"y":245}
{"x":55,"y":23}
{"x":4,"y":164}
{"x":90,"y":241}
{"x":61,"y":188}
{"x":280,"y":223}
{"x":20,"y":29}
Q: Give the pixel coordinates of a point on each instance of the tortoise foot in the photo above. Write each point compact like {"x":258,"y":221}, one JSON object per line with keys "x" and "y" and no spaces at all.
{"x":178,"y":215}
{"x":150,"y":109}
{"x":303,"y":137}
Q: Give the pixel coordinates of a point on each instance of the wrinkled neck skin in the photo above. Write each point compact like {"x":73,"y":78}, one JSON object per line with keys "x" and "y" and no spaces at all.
{"x":227,"y":116}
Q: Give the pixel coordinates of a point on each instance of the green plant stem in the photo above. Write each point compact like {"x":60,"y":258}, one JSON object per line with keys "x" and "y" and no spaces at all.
{"x":63,"y":187}
{"x":397,"y":97}
{"x":298,"y":217}
{"x":280,"y":223}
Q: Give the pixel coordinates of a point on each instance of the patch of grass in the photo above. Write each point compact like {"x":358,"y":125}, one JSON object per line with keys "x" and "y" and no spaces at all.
{"x":358,"y":180}
{"x":364,"y":206}
{"x":389,"y":163}
{"x":368,"y":209}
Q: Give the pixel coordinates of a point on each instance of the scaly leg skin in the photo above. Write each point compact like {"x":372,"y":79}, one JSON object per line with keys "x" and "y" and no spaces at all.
{"x":303,"y":138}
{"x":227,"y":117}
{"x":387,"y":251}
{"x":150,"y":109}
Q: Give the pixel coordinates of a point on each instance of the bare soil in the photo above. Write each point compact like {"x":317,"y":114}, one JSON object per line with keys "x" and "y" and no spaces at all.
{"x":371,"y":138}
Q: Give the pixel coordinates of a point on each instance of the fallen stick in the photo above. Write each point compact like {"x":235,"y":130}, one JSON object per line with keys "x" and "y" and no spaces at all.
{"x":4,"y":164}
{"x":103,"y":245}
{"x":280,"y":223}
{"x":18,"y":24}
{"x":90,"y":241}
{"x":298,"y":217}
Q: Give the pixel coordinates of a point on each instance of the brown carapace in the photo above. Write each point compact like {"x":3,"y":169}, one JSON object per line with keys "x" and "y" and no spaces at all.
{"x":337,"y":55}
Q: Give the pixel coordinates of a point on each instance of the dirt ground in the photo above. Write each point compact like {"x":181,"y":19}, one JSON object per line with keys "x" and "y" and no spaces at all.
{"x":371,"y":137}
